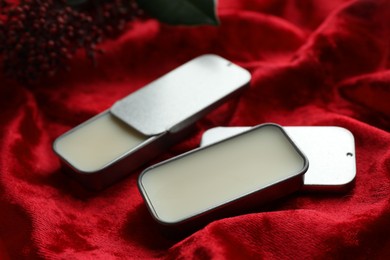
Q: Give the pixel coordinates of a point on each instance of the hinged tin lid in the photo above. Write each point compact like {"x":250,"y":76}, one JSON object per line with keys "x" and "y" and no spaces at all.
{"x":181,"y":96}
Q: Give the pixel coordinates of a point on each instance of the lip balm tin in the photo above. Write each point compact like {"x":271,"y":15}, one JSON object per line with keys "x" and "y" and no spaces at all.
{"x":224,"y":178}
{"x":144,"y":124}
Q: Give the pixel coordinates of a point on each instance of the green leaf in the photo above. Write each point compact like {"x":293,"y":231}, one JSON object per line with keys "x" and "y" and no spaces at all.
{"x":183,"y":12}
{"x":76,"y":2}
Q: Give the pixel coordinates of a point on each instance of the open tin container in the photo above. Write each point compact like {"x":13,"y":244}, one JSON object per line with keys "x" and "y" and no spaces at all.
{"x":137,"y":128}
{"x":225,"y":178}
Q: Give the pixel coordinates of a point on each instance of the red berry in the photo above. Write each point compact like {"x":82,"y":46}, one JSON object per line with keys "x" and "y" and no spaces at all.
{"x":38,"y":36}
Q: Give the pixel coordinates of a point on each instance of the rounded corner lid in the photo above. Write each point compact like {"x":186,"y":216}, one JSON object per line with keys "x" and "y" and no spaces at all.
{"x":181,"y":96}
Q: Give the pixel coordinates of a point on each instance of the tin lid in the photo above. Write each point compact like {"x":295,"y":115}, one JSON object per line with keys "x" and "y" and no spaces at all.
{"x":181,"y":96}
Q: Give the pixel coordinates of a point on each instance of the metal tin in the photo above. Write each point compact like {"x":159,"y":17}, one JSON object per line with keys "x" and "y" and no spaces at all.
{"x":225,"y":178}
{"x":156,"y":116}
{"x":330,"y":150}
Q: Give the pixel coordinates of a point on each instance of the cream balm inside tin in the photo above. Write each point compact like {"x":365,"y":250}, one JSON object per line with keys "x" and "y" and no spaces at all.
{"x":246,"y":170}
{"x":144,"y":124}
{"x":98,"y":142}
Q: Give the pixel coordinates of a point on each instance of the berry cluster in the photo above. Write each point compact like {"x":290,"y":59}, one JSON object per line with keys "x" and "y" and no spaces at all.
{"x":37,"y":37}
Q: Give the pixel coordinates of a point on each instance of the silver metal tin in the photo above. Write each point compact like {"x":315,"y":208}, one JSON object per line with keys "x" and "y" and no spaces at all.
{"x":211,"y":182}
{"x":330,"y":150}
{"x":182,"y":96}
{"x":162,"y":112}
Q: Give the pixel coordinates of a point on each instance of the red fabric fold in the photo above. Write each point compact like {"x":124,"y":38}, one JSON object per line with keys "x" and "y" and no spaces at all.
{"x":313,"y":63}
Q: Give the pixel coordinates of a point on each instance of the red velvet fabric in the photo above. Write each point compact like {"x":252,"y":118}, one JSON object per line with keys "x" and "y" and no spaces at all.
{"x":315,"y":62}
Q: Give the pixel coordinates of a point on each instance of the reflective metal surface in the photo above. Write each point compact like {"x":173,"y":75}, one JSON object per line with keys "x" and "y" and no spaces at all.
{"x":182,"y":96}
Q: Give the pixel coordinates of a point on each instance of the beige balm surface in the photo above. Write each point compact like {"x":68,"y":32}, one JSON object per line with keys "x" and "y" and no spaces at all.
{"x":97,"y":143}
{"x":259,"y":161}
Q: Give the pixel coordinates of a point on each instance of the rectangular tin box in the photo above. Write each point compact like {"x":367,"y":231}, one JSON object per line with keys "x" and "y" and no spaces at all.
{"x":185,"y":199}
{"x":160,"y":114}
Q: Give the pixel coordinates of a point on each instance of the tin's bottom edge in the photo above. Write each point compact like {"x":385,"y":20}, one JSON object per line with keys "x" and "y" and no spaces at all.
{"x":253,"y":203}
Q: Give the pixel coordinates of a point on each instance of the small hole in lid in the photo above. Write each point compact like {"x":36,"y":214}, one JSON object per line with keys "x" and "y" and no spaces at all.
{"x":349,"y":154}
